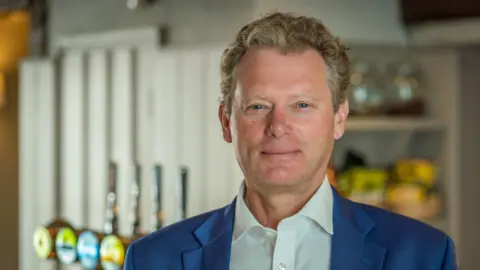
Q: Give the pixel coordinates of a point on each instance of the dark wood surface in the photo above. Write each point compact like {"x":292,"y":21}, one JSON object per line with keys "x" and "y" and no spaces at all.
{"x":421,"y":11}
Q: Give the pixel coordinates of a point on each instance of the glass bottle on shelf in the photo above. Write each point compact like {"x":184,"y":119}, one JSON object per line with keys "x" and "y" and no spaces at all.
{"x":404,"y":89}
{"x":365,"y":95}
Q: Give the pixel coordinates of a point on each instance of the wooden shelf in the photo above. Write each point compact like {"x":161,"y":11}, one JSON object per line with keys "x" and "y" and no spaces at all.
{"x":385,"y":123}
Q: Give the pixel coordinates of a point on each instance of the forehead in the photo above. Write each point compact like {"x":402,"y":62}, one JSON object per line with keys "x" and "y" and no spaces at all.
{"x":272,"y":69}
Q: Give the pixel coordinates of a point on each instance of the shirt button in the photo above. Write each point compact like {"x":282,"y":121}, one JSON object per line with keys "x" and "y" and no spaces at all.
{"x":282,"y":266}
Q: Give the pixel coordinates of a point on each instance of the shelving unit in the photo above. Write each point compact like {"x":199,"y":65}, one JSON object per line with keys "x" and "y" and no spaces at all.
{"x":385,"y":123}
{"x":434,"y":136}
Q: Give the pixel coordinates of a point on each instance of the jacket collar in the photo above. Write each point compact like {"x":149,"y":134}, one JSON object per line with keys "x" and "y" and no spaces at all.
{"x":215,"y":237}
{"x":219,"y":223}
{"x":351,"y":247}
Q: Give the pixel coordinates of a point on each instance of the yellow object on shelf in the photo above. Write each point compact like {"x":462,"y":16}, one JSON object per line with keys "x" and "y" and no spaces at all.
{"x":416,"y":171}
{"x":366,"y":185}
{"x":368,"y":179}
{"x":406,"y":194}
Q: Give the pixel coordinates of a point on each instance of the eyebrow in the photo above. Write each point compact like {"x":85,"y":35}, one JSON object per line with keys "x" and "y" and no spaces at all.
{"x":258,"y":97}
{"x":305,"y":93}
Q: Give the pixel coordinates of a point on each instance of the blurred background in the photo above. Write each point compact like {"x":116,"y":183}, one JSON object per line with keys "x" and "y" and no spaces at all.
{"x":108,"y":118}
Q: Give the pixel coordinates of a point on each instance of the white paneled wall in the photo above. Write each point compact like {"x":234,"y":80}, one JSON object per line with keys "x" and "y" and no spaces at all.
{"x":98,"y":136}
{"x":144,"y":135}
{"x":125,"y":105}
{"x":221,"y":168}
{"x":38,"y":153}
{"x":123,"y":129}
{"x":73,"y":139}
{"x":165,"y":137}
{"x":191,"y":107}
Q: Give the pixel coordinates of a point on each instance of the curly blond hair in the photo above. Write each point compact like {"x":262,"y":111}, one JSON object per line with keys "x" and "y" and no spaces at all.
{"x":287,"y":32}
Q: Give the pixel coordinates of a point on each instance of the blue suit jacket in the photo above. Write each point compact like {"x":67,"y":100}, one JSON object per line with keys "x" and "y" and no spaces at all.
{"x":365,"y":238}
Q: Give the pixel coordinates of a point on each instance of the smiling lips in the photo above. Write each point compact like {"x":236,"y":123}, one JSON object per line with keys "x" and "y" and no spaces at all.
{"x":279,"y":152}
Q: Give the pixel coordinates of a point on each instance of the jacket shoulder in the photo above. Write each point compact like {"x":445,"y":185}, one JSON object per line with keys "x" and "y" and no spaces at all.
{"x":173,"y":233}
{"x":159,"y":247}
{"x":406,"y":237}
{"x":397,"y":224}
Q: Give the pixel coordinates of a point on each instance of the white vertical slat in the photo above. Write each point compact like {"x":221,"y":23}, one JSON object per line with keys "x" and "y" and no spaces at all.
{"x":165,"y":138}
{"x":98,"y":137}
{"x":191,"y":127}
{"x":122,"y":135}
{"x":144,"y":72}
{"x":27,"y":166}
{"x":45,"y":180}
{"x":217,"y":151}
{"x":73,"y":134}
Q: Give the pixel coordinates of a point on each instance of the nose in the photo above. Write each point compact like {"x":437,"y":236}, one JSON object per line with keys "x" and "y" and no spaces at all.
{"x":278,"y":125}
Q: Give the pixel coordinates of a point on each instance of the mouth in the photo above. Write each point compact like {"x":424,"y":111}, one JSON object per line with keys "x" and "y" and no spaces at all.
{"x":280,"y":152}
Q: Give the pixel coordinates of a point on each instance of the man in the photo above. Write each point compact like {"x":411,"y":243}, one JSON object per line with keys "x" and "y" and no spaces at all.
{"x":284,"y":82}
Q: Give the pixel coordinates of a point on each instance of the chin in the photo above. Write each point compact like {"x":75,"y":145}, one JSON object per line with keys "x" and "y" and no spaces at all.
{"x":281,"y":177}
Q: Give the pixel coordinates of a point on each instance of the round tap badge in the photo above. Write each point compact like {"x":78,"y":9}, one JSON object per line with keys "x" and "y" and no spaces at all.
{"x":112,"y":253}
{"x":42,"y":242}
{"x":88,"y":250}
{"x":66,"y":244}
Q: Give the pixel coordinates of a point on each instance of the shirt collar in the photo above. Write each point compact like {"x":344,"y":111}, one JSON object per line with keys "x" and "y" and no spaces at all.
{"x":319,"y":208}
{"x":244,"y":219}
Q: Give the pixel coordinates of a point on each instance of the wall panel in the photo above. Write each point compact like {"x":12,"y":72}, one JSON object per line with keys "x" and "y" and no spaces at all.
{"x":73,"y":128}
{"x":99,"y":143}
{"x":192,"y":128}
{"x":165,"y":131}
{"x":218,"y":154}
{"x":38,"y":155}
{"x":123,"y":130}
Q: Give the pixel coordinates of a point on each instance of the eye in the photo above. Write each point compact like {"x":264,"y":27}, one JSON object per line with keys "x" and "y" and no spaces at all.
{"x":256,"y":107}
{"x":303,"y":105}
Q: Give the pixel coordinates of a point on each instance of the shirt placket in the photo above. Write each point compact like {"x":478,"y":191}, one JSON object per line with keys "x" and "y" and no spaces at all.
{"x":284,"y":252}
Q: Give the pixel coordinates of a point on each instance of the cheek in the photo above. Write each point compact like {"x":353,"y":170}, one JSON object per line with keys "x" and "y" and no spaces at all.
{"x":316,"y":130}
{"x":249,"y":131}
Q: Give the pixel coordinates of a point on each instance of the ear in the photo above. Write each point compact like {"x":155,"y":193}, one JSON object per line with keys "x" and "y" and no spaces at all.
{"x":225,"y":122}
{"x":340,"y":119}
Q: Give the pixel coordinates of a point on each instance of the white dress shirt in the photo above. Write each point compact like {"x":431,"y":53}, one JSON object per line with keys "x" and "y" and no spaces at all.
{"x":301,"y":242}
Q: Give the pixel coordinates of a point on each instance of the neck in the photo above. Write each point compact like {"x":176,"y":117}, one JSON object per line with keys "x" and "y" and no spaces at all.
{"x":269,"y":208}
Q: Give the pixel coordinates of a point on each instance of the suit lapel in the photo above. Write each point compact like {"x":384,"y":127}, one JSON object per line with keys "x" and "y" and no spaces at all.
{"x":215,"y":236}
{"x":351,"y":249}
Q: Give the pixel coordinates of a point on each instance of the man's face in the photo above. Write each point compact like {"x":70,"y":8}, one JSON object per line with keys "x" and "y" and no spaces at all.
{"x":282,"y":124}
